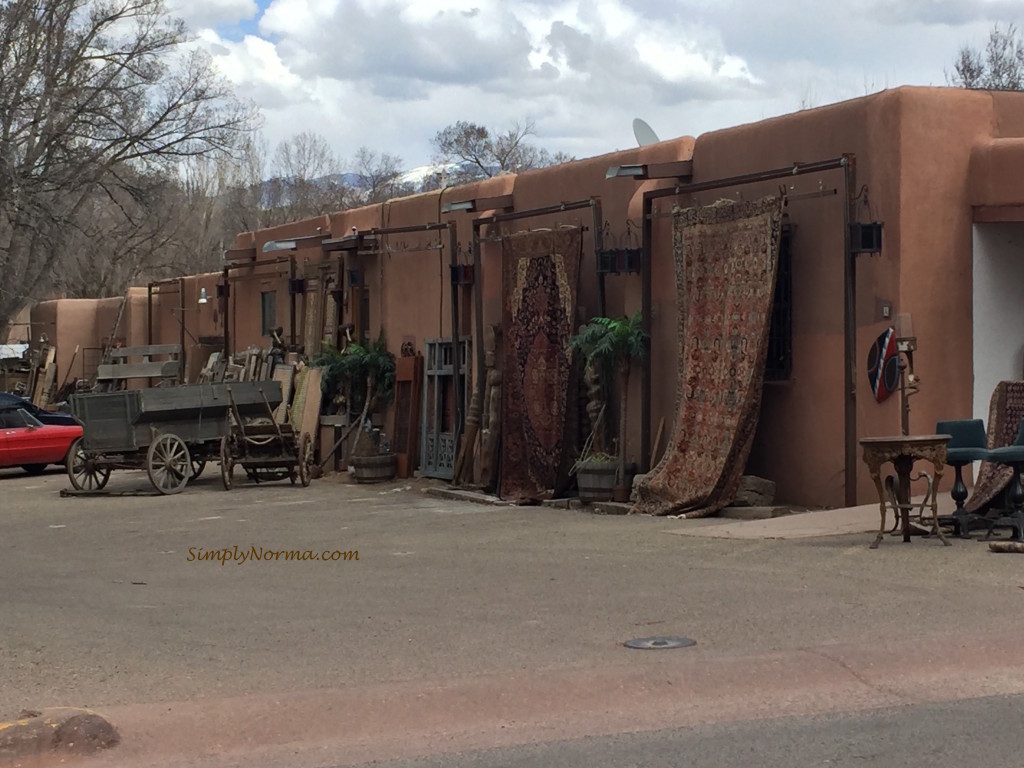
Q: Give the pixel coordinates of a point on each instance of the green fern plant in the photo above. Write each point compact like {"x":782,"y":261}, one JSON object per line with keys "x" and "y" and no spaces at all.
{"x":364,"y":376}
{"x":609,"y":346}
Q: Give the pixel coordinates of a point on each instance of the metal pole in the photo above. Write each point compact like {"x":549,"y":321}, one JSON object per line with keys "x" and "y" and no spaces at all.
{"x":181,"y":306}
{"x":645,"y":309}
{"x":478,"y":318}
{"x":598,"y":247}
{"x":456,"y":356}
{"x":850,"y":333}
{"x":149,"y":314}
{"x":291,"y":296}
{"x":226,"y":316}
{"x":559,"y":208}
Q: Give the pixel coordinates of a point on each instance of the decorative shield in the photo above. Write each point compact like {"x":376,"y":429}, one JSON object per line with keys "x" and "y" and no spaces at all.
{"x":884,"y":365}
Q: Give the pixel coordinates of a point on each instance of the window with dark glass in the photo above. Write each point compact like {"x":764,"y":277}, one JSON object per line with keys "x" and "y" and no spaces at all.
{"x":268,"y":312}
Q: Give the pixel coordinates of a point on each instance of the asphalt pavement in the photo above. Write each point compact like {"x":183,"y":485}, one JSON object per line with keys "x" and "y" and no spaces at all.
{"x":978,"y":732}
{"x":463,"y":626}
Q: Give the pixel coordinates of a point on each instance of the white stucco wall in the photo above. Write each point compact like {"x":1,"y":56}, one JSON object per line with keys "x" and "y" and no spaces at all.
{"x":998,"y":272}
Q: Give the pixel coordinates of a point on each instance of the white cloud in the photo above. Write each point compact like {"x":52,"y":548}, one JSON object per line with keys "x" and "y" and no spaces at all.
{"x":388,"y":74}
{"x":202,"y":14}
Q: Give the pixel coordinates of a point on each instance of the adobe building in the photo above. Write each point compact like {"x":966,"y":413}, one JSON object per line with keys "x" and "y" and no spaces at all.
{"x":938,"y":168}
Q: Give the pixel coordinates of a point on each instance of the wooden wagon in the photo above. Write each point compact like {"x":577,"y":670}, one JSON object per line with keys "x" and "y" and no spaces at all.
{"x":171,"y":432}
{"x":264,"y":448}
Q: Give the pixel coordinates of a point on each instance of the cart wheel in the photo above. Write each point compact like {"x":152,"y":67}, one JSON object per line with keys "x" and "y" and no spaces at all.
{"x":198,"y":465}
{"x":169,"y":464}
{"x":227,"y":466}
{"x":305,"y":459}
{"x":83,"y":475}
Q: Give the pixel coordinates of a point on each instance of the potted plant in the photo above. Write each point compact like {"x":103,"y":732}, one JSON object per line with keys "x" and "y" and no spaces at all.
{"x":609,"y":346}
{"x":362,"y":378}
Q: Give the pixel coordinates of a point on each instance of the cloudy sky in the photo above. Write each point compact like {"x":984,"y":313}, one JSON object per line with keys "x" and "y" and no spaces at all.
{"x":388,"y":74}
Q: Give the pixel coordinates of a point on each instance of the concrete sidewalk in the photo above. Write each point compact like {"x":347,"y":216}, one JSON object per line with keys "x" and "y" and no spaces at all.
{"x":803,"y":525}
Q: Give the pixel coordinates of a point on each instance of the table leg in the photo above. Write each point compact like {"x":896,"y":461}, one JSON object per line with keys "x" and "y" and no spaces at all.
{"x":904,"y":465}
{"x":935,"y":503}
{"x":876,"y":477}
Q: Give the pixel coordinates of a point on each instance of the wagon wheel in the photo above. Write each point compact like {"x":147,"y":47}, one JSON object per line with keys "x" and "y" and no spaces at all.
{"x":169,"y":464}
{"x":83,"y":475}
{"x":198,"y":465}
{"x":227,"y":466}
{"x":305,"y":459}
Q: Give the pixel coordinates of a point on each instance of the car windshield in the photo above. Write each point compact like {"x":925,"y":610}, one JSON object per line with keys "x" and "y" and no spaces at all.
{"x":18,"y":417}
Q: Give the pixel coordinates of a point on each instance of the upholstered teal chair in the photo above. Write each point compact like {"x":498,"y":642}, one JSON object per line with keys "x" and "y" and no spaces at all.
{"x":968,"y":443}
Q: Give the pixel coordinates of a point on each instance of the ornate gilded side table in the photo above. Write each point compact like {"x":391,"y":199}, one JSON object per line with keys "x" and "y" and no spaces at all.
{"x":903,"y":451}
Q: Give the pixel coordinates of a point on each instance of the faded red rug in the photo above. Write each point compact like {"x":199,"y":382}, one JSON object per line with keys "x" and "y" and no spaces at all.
{"x":726,"y":257}
{"x":1005,"y":410}
{"x":540,"y":273}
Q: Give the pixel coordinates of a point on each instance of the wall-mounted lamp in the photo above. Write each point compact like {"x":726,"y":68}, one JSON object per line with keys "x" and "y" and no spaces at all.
{"x":202,"y":296}
{"x":278,"y":245}
{"x":635,"y":171}
{"x":866,"y":237}
{"x":462,"y":274}
{"x":465,"y":205}
{"x":676,"y":169}
{"x":495,"y":203}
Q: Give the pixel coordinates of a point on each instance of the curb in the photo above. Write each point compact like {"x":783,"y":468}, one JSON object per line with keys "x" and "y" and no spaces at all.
{"x":67,"y":730}
{"x":454,"y":494}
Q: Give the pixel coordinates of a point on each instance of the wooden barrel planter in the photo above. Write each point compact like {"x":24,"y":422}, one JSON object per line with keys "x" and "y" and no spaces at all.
{"x":374,"y":469}
{"x":596,"y":479}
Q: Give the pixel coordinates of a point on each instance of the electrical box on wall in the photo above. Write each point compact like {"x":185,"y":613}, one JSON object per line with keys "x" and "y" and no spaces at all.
{"x":866,"y":237}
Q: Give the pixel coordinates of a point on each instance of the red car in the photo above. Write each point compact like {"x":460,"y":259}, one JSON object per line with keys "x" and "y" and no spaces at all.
{"x":27,"y":443}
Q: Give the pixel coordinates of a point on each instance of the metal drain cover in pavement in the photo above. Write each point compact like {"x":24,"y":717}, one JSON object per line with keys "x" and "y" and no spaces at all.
{"x":657,"y":643}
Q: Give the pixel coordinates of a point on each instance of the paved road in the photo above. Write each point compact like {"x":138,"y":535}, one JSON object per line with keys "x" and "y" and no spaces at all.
{"x":979,"y":732}
{"x":463,"y":626}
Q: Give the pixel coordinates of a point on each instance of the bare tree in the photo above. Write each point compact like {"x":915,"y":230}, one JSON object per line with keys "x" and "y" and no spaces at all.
{"x":307,"y":180}
{"x":95,"y":95}
{"x":469,"y":151}
{"x":999,"y":67}
{"x":115,"y":239}
{"x":243,"y":197}
{"x":379,"y":177}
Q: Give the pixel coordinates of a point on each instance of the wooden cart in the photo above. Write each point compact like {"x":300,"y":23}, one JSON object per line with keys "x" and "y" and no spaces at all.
{"x":265,"y":449}
{"x":171,"y":432}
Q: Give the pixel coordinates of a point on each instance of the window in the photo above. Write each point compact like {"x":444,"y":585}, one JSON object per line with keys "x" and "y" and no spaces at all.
{"x":18,"y":419}
{"x":268,"y":312}
{"x":779,"y":363}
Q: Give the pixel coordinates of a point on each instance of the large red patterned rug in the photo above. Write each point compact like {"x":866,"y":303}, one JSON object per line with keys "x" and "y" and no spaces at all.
{"x":1005,"y":411}
{"x":726,"y":257}
{"x":540,"y":276}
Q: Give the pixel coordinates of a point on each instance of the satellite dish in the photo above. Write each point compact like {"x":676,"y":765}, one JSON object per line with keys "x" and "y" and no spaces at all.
{"x":644,"y":133}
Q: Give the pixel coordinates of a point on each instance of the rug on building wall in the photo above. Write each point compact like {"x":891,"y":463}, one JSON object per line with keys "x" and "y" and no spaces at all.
{"x":540,"y":273}
{"x":1005,"y":410}
{"x":726,"y":256}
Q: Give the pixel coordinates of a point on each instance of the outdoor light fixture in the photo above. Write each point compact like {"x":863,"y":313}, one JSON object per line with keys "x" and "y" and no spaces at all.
{"x":465,"y":205}
{"x":677,"y":169}
{"x":202,"y":296}
{"x":278,"y":245}
{"x":635,"y":171}
{"x":495,"y":203}
{"x":866,"y":237}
